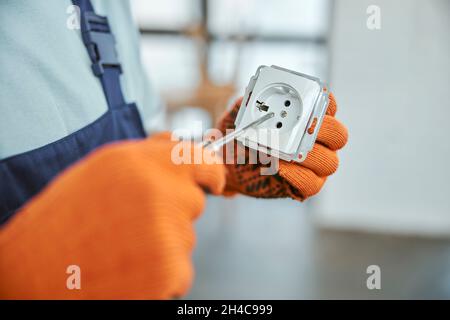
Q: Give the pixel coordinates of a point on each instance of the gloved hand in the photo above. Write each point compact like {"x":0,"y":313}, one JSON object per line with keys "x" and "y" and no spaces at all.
{"x":123,"y":215}
{"x":296,"y":180}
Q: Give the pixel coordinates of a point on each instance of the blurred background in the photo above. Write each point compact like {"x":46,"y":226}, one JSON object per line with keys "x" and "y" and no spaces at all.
{"x":389,"y":202}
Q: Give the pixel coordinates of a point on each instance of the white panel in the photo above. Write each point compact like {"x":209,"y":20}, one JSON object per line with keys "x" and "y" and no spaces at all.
{"x":392,"y":91}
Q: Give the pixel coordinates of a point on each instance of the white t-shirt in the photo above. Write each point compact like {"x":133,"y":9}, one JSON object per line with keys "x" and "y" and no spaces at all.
{"x":47,"y":88}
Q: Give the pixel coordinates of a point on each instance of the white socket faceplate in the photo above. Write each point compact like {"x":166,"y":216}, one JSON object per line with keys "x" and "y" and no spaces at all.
{"x":298,"y":101}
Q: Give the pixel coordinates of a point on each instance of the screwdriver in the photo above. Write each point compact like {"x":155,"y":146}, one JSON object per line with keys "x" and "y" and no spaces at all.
{"x":217,"y":144}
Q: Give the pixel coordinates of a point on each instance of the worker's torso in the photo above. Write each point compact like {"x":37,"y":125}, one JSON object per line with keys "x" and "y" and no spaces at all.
{"x":53,"y":108}
{"x":47,"y":89}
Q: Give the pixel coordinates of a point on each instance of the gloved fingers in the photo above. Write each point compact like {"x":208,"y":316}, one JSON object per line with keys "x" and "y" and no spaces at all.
{"x":302,"y":182}
{"x":332,"y":106}
{"x":332,"y":133}
{"x":173,"y":235}
{"x":321,"y":160}
{"x":197,"y":202}
{"x":183,"y":279}
{"x":204,"y":166}
{"x":211,"y":177}
{"x":188,"y":198}
{"x":236,"y":104}
{"x":210,"y":173}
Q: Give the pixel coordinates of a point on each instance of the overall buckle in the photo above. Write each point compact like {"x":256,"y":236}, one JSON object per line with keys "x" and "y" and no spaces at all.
{"x":100,"y":42}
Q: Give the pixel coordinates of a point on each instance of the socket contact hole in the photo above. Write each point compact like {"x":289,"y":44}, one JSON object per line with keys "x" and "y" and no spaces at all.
{"x":279,"y":125}
{"x":287,"y":103}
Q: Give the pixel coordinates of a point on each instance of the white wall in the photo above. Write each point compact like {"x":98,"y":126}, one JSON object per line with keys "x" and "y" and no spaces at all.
{"x":393,"y":88}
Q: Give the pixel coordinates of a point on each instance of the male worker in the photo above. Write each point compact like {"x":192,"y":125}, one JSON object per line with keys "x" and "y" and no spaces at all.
{"x":117,"y":215}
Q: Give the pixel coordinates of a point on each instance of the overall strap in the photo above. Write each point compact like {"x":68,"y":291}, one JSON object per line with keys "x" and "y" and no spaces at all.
{"x":100,"y":45}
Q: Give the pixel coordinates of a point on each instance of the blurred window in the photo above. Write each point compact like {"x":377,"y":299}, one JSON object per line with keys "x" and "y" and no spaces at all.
{"x":305,"y":57}
{"x":269,"y":17}
{"x":166,"y":14}
{"x":230,"y":38}
{"x":170,"y":62}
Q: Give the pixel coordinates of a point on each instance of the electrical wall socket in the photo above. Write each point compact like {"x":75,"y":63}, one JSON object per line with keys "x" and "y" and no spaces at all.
{"x":299,"y":102}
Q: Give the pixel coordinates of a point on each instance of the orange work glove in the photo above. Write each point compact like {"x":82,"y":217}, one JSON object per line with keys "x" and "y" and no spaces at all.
{"x":123,"y":215}
{"x":296,"y":180}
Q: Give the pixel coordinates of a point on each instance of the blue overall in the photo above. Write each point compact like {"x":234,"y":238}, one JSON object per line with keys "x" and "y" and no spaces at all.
{"x":23,"y":175}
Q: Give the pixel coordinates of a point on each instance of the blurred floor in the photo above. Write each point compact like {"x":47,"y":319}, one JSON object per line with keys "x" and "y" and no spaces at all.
{"x":270,"y":249}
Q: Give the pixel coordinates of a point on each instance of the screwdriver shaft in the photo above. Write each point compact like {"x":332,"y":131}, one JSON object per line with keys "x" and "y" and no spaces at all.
{"x":217,"y":144}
